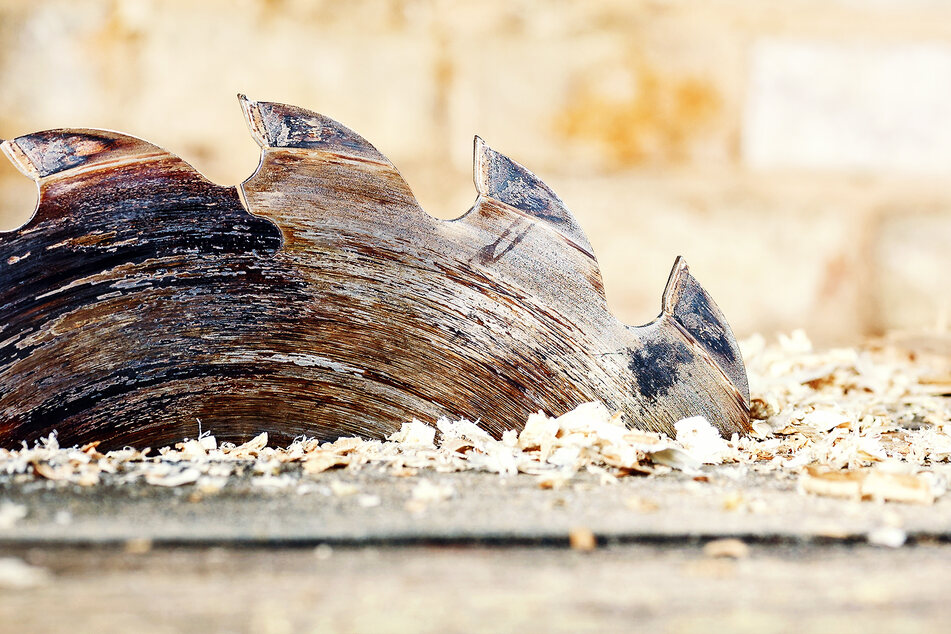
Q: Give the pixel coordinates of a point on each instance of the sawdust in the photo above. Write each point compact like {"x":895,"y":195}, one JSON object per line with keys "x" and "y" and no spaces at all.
{"x":864,"y":423}
{"x":888,"y":536}
{"x":726,"y":548}
{"x":11,"y":513}
{"x":582,"y":539}
{"x":16,"y":574}
{"x":426,"y":493}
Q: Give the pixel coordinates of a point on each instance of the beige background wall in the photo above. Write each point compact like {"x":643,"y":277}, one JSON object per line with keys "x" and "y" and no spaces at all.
{"x":798,"y":153}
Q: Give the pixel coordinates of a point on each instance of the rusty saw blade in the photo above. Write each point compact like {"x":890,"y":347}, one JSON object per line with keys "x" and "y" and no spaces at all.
{"x":318,"y":298}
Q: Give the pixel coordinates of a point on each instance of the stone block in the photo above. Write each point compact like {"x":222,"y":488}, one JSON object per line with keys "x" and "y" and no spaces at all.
{"x":841,"y":105}
{"x":913,"y":270}
{"x":170,"y":71}
{"x":617,"y":86}
{"x":772,"y":258}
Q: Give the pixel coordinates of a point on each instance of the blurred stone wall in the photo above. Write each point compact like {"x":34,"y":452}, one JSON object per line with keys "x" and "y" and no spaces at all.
{"x":797,"y":152}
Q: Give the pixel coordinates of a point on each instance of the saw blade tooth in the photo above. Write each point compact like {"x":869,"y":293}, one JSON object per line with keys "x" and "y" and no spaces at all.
{"x":53,"y":152}
{"x":142,"y":298}
{"x":65,"y":156}
{"x":695,"y":311}
{"x":500,"y":178}
{"x":278,"y":125}
{"x":20,"y":160}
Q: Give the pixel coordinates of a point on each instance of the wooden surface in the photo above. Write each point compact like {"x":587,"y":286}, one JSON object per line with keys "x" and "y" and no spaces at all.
{"x":480,"y":508}
{"x":350,"y":552}
{"x":814,"y":589}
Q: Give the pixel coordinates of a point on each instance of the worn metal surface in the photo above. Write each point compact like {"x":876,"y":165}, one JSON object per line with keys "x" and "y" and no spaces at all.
{"x":141,"y":296}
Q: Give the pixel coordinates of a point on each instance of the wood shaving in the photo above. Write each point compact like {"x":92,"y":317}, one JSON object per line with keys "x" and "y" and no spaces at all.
{"x":369,"y":501}
{"x":427,"y":492}
{"x":702,"y":440}
{"x":16,"y":574}
{"x":343,"y":489}
{"x":172,"y":477}
{"x":320,"y":462}
{"x":641,"y":505}
{"x":138,"y":546}
{"x":888,"y":536}
{"x":733,"y":501}
{"x":581,"y":538}
{"x":866,"y":423}
{"x":11,"y":513}
{"x":868,"y":484}
{"x":726,"y":548}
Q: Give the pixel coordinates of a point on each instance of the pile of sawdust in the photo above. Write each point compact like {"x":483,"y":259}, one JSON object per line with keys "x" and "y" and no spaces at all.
{"x":865,"y":423}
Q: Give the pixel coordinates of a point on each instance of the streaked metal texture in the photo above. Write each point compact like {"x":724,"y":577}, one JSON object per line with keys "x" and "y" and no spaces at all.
{"x":318,"y":298}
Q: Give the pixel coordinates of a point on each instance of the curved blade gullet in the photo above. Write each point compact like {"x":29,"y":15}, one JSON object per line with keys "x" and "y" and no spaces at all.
{"x":141,"y":297}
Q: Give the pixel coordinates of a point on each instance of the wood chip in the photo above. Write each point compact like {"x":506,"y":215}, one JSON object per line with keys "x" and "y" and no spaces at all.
{"x":871,"y":484}
{"x":581,"y":538}
{"x":16,"y":574}
{"x":897,"y":487}
{"x":726,"y":548}
{"x":843,"y":484}
{"x":888,"y":536}
{"x":252,"y":447}
{"x":640,"y":504}
{"x":343,"y":489}
{"x":173,"y":478}
{"x":11,"y":513}
{"x":137,"y":545}
{"x":57,"y":473}
{"x":322,"y":461}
